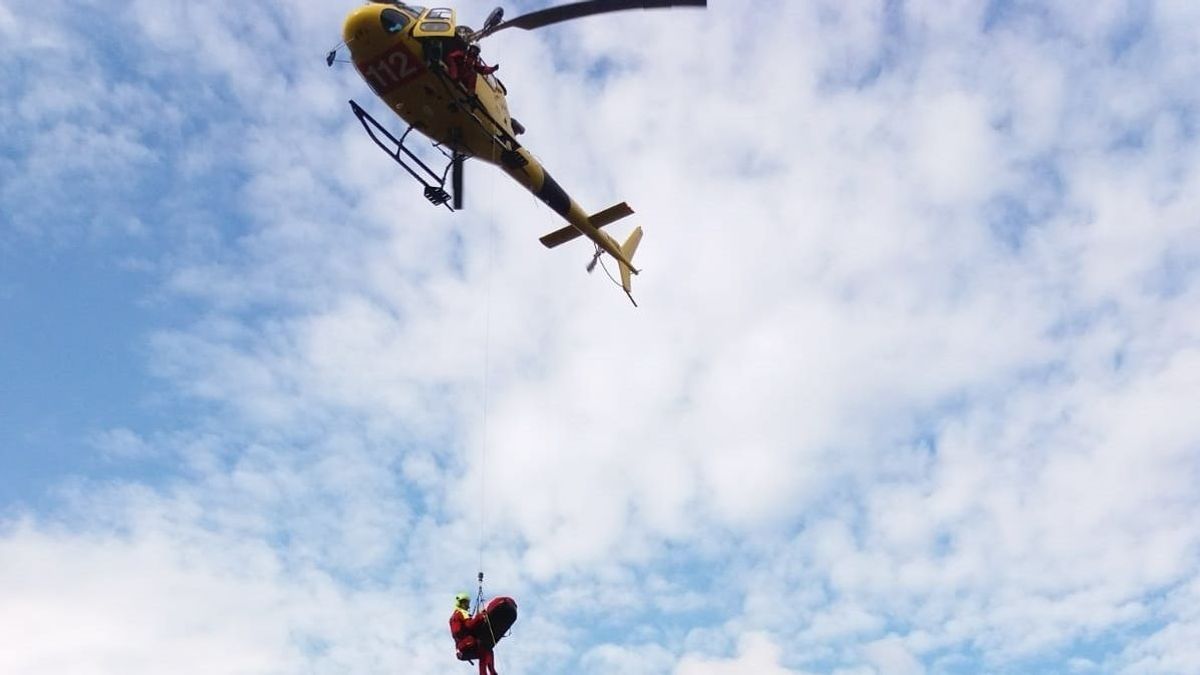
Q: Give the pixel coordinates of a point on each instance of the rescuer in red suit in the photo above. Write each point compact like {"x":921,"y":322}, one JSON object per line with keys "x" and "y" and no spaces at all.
{"x":463,"y":65}
{"x":462,"y":628}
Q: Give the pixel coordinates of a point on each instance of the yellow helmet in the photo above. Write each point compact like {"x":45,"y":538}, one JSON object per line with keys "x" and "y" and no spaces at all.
{"x":460,"y":598}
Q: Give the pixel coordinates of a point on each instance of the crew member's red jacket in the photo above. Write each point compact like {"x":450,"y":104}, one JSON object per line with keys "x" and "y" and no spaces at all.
{"x":462,"y":628}
{"x":463,"y":65}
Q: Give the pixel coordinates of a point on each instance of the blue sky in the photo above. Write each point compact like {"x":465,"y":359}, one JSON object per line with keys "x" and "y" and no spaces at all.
{"x":910,"y":390}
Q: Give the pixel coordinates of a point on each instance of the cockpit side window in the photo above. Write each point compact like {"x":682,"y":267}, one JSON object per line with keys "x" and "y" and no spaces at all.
{"x":393,"y":20}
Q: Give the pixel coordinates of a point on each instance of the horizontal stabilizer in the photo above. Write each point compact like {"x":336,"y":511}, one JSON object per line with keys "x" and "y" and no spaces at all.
{"x":598,"y":220}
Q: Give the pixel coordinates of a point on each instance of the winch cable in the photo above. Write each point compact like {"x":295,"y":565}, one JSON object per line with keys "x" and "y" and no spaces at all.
{"x":487,"y":349}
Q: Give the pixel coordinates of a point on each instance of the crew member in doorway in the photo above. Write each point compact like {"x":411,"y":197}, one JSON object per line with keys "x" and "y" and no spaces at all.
{"x":463,"y":65}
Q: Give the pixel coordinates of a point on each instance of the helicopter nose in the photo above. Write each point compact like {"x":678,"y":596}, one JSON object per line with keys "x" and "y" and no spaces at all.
{"x":359,"y":23}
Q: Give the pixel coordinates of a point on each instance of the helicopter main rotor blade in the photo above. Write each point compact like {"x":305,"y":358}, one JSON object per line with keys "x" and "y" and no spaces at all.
{"x":577,"y":10}
{"x":456,"y":180}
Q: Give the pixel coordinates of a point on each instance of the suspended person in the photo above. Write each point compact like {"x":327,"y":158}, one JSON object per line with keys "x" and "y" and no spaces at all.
{"x":476,"y":636}
{"x":464,"y":628}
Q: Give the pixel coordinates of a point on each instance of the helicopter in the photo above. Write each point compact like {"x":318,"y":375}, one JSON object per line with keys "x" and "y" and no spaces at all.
{"x":426,"y":67}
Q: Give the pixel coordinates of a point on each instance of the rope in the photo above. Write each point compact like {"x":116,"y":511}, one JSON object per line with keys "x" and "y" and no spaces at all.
{"x":484,"y":440}
{"x":487,"y":619}
{"x":487,"y":342}
{"x":479,"y":597}
{"x":600,"y":259}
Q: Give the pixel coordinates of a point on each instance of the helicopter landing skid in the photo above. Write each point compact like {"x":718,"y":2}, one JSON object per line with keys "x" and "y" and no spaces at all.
{"x":434,"y":184}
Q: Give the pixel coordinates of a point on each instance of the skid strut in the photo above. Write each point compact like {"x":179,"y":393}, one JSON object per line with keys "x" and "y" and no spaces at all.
{"x":434,"y":183}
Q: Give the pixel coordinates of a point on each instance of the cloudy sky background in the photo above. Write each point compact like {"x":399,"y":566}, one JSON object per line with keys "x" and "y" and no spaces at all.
{"x":912,"y":387}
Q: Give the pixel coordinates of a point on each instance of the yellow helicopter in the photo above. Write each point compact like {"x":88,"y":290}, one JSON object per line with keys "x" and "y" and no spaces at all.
{"x":426,"y":67}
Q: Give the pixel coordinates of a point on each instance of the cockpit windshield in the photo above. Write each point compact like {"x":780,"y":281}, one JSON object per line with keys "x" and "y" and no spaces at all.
{"x":393,"y":20}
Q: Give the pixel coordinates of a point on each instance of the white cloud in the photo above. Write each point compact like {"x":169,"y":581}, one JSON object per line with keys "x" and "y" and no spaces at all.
{"x":122,"y":444}
{"x":8,"y":21}
{"x":890,"y":655}
{"x":642,"y":660}
{"x":1172,"y":646}
{"x":757,"y":653}
{"x":93,"y":604}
